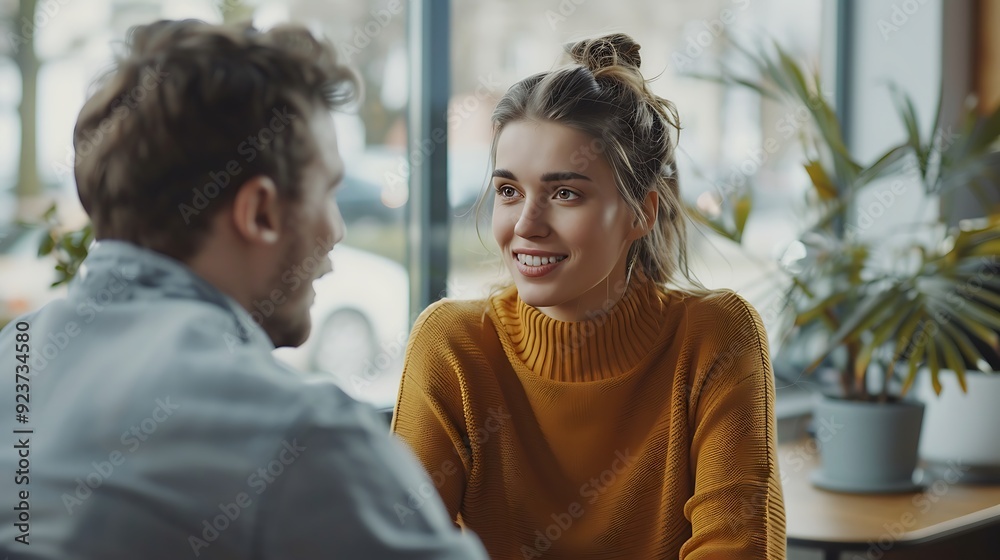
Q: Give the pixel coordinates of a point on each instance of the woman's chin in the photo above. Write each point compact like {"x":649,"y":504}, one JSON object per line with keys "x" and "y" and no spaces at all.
{"x":538,"y":296}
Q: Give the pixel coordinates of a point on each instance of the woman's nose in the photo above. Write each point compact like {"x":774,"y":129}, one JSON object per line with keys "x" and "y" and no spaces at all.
{"x":532,"y":222}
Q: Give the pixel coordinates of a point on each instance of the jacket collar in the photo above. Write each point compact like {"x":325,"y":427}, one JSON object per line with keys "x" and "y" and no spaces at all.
{"x":116,"y":271}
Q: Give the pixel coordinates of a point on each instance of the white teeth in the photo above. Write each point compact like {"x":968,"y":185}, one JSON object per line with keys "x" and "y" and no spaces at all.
{"x":529,"y":260}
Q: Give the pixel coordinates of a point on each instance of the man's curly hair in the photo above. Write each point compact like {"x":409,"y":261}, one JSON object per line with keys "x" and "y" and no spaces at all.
{"x":190,"y":112}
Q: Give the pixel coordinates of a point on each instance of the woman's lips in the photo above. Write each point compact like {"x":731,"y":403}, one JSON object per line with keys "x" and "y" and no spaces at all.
{"x":535,"y":271}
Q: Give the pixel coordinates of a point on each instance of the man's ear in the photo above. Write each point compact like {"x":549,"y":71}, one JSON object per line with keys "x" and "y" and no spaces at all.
{"x":649,"y":207}
{"x":257,"y":211}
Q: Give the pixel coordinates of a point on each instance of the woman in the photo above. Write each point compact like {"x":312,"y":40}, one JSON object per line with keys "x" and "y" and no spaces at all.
{"x":588,"y":411}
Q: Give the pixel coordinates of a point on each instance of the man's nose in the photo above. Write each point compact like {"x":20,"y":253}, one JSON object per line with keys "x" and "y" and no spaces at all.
{"x":338,"y":225}
{"x":325,"y":267}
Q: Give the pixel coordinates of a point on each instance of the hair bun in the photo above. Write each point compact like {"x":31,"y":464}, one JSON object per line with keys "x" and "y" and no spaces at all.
{"x":617,"y":49}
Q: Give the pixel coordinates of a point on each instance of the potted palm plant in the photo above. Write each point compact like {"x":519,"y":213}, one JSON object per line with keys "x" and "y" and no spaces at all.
{"x":878,"y":312}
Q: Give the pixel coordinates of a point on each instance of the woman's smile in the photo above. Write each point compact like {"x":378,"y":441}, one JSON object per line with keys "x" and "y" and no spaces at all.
{"x":535,"y":264}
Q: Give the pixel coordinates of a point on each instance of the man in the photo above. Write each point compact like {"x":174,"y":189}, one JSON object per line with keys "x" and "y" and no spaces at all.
{"x":149,"y":419}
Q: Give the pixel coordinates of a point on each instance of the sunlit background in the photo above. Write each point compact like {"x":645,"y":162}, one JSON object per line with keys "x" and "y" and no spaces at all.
{"x":363,"y":311}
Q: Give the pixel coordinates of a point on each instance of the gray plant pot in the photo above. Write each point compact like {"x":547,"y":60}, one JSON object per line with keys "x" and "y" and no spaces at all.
{"x":867,"y":447}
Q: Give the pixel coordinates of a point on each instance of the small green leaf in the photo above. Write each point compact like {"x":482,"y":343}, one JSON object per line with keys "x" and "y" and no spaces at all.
{"x":932,"y":364}
{"x":741,"y":211}
{"x":715,"y":225}
{"x":49,"y":213}
{"x":820,"y":309}
{"x":904,"y":337}
{"x":978,"y":330}
{"x":888,"y":162}
{"x":821,"y":181}
{"x":914,"y":362}
{"x":48,"y":243}
{"x":952,"y":358}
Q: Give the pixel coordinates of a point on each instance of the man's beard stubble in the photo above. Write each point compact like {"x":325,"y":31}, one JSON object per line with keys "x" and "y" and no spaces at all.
{"x":290,"y":323}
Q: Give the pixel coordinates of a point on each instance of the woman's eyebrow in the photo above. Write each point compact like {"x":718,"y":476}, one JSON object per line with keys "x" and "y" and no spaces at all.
{"x":546,"y":178}
{"x":563,"y":176}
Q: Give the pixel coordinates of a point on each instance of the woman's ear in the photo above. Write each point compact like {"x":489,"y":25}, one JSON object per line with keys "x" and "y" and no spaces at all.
{"x":650,"y":205}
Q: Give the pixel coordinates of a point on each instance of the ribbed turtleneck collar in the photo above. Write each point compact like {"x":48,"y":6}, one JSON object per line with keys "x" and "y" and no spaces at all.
{"x":604,"y":345}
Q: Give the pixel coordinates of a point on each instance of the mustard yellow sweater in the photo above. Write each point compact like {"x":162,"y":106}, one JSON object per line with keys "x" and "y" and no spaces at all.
{"x":645,"y":432}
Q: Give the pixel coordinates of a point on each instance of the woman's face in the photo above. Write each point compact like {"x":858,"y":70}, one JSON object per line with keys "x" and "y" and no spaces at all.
{"x":561,"y":225}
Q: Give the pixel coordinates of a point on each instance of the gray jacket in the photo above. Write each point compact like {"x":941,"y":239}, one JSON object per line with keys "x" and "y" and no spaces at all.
{"x":157,"y":424}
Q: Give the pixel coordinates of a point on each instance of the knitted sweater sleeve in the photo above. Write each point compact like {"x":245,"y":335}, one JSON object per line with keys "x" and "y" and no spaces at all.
{"x":736,"y":510}
{"x":429,"y":415}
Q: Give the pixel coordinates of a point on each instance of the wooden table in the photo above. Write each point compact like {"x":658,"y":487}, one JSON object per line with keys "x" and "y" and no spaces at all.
{"x":834,"y":522}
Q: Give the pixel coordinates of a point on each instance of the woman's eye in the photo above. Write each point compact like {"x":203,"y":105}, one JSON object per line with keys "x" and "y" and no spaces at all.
{"x":566,"y":194}
{"x":507,"y":191}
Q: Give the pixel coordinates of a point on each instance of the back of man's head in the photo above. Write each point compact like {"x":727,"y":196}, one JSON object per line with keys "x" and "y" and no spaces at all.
{"x":190,"y":109}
